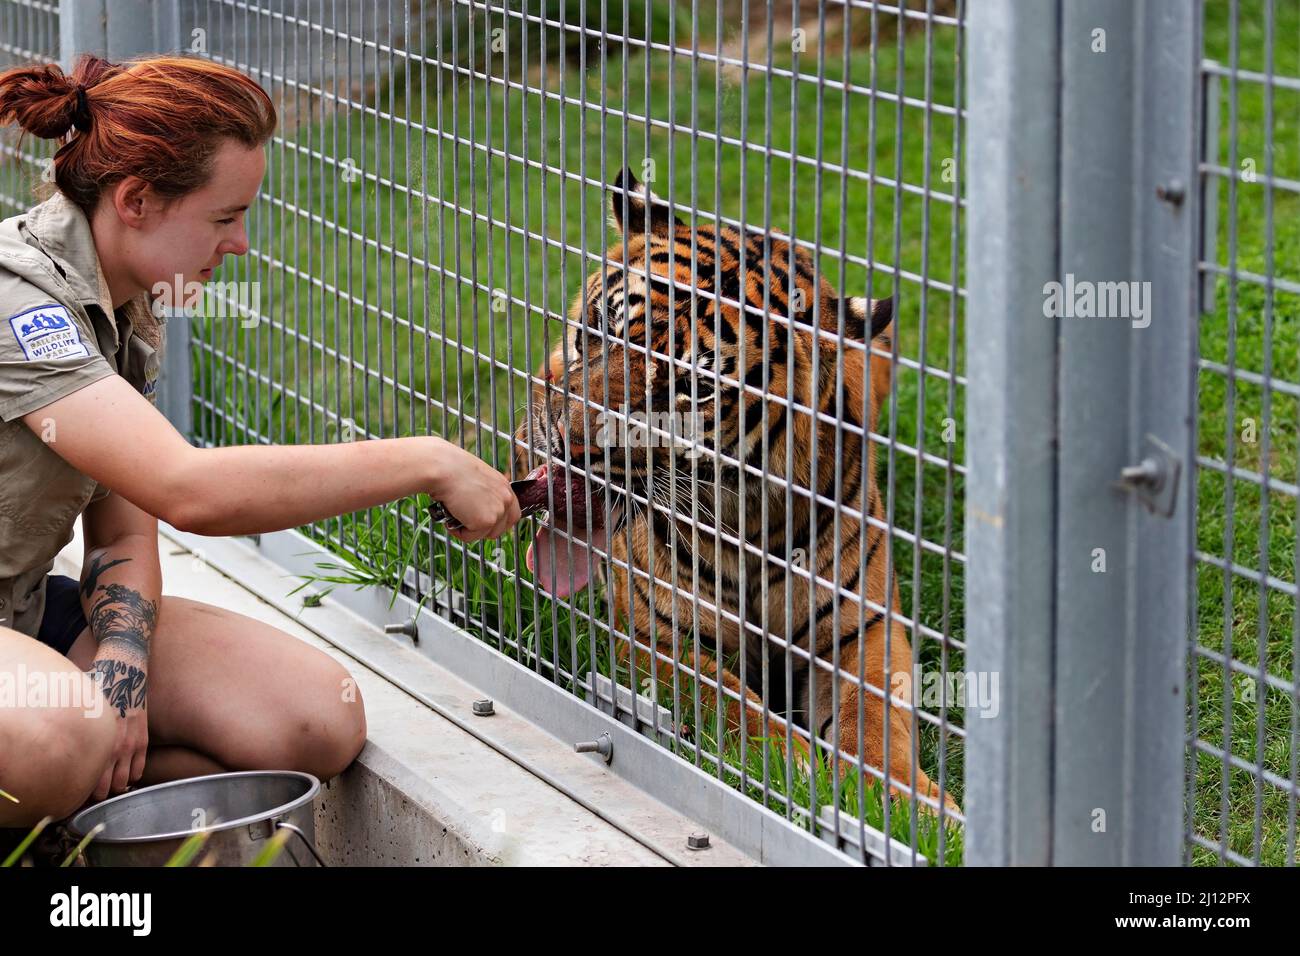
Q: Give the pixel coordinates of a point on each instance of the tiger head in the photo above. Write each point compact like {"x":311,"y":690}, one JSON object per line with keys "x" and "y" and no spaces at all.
{"x":664,"y":374}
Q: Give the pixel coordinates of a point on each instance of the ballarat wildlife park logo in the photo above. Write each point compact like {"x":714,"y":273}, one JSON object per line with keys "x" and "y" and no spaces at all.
{"x":1083,"y":299}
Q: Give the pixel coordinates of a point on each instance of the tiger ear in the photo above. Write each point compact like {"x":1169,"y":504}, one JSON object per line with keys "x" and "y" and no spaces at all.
{"x":878,"y":316}
{"x":628,"y":187}
{"x":864,"y":314}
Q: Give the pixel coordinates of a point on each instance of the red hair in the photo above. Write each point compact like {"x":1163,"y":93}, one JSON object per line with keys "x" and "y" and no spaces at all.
{"x":159,"y":118}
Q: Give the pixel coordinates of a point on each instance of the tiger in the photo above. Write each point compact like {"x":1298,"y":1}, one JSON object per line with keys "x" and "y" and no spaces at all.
{"x":693,"y":369}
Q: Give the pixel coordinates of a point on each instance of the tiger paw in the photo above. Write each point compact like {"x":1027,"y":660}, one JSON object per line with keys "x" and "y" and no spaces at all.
{"x":903,"y":800}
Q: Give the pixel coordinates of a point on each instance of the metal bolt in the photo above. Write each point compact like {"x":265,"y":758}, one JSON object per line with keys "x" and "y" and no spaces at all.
{"x":697,"y":841}
{"x":1154,"y":480}
{"x":603,"y":745}
{"x":1171,"y":192}
{"x":483,"y":707}
{"x":1149,"y":473}
{"x":410,"y":629}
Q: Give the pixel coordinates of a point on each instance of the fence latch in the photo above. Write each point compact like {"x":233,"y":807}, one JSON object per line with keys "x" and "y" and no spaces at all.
{"x":1155,"y":478}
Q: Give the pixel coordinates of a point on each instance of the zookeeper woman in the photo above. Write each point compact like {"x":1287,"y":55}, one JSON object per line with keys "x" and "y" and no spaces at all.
{"x":160,"y":159}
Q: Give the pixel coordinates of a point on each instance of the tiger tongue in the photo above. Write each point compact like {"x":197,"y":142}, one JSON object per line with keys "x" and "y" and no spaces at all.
{"x":561,"y":555}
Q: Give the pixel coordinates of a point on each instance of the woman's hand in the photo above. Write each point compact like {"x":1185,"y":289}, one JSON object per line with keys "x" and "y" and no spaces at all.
{"x":124,"y":685}
{"x":474,"y":493}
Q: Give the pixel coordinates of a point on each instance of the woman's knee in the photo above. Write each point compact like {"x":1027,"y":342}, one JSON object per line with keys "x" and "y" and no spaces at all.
{"x":334,"y":730}
{"x":56,"y":736}
{"x":84,"y":745}
{"x":323,"y":727}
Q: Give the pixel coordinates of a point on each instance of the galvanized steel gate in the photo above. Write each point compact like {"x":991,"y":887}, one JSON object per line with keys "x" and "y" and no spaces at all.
{"x":1101,"y":195}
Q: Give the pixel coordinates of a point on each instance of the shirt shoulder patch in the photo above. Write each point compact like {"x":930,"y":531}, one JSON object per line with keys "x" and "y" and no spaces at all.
{"x":47,"y":333}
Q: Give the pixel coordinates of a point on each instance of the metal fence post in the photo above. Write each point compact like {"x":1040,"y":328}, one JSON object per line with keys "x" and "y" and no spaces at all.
{"x":117,"y":29}
{"x":1129,"y":212}
{"x":175,"y":378}
{"x":81,"y":30}
{"x":1082,"y":154}
{"x":1012,"y":221}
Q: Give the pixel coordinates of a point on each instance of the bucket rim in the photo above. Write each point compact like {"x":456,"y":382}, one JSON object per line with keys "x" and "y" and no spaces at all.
{"x":78,"y":830}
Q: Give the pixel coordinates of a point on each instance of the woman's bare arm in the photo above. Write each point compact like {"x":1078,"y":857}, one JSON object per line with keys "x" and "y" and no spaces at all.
{"x":110,"y":432}
{"x":255,"y":488}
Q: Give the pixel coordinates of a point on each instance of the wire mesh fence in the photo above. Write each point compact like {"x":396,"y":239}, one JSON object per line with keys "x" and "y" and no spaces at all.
{"x":29,"y":33}
{"x":428,"y":255}
{"x":705,"y":265}
{"x":1244,"y":719}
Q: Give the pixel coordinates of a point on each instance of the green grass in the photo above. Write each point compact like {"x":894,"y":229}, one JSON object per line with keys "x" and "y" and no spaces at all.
{"x":429,"y":333}
{"x":1260,"y":334}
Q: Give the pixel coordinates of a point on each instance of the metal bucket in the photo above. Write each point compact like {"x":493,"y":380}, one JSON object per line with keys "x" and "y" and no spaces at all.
{"x":239,"y":810}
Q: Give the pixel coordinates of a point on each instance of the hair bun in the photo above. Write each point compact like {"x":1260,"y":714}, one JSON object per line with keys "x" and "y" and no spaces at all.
{"x":49,"y":103}
{"x":41,"y":99}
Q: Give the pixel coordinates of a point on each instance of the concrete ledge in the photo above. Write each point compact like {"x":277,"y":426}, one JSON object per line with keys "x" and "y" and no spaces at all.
{"x":424,"y":792}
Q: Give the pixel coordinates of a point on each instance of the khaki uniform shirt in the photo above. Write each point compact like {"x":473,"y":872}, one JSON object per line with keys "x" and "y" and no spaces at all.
{"x":58,"y":333}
